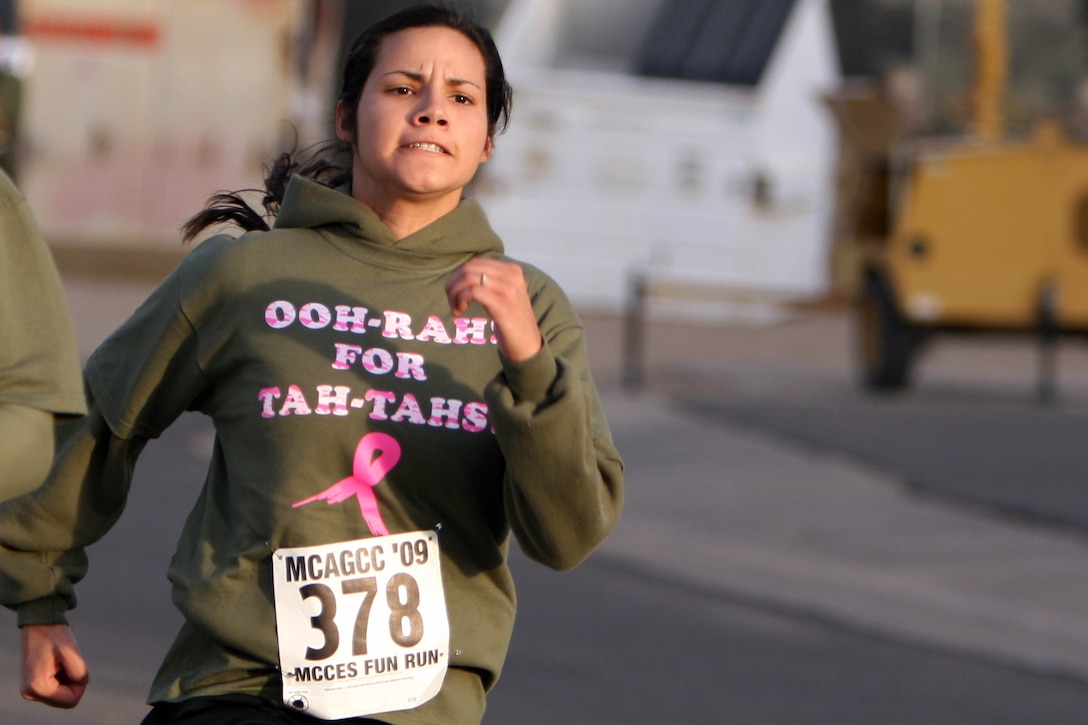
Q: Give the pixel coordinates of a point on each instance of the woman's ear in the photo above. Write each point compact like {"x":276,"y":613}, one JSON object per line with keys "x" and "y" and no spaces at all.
{"x":488,"y":146}
{"x":343,"y":130}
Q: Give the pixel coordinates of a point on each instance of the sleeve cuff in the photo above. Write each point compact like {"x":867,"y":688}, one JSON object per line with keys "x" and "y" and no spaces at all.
{"x":531,"y":380}
{"x":47,"y":610}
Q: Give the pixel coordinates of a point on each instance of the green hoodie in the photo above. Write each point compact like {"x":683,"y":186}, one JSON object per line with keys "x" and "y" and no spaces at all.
{"x":298,"y":343}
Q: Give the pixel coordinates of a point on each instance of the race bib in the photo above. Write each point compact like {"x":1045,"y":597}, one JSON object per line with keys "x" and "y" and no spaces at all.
{"x":362,"y":625}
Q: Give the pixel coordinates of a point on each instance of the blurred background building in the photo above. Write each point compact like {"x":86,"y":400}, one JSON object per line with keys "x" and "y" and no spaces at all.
{"x":685,"y":138}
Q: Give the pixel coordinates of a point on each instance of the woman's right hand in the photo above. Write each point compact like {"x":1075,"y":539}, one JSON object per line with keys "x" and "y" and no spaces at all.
{"x":54,"y":672}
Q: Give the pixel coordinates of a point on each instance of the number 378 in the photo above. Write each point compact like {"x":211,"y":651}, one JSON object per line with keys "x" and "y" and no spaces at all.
{"x":401,"y":595}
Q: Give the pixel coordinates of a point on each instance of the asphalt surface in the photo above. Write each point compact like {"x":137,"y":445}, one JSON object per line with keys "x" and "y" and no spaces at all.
{"x":837,"y":557}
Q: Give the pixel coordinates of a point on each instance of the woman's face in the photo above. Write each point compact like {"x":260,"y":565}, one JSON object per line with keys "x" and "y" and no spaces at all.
{"x":421,"y":124}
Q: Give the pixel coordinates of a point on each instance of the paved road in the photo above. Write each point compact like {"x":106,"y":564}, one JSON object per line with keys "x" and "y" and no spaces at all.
{"x":1016,"y":459}
{"x":971,"y":429}
{"x":615,"y":642}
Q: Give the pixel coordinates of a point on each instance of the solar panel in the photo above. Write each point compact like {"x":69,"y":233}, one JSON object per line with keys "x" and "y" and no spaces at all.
{"x":724,"y":41}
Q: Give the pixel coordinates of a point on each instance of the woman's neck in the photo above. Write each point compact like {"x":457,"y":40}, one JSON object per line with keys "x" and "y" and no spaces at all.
{"x":405,"y":216}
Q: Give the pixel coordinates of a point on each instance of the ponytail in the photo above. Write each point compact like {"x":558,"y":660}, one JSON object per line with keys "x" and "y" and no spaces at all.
{"x":323,"y":165}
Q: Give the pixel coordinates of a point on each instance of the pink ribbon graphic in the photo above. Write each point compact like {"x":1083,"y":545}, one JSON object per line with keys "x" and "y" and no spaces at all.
{"x":375,"y":456}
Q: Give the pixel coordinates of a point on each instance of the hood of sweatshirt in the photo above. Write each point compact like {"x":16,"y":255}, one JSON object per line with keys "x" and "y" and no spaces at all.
{"x":311,"y":205}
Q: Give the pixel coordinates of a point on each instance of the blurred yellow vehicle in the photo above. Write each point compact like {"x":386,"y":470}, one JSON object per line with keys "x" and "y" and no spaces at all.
{"x":980,"y":232}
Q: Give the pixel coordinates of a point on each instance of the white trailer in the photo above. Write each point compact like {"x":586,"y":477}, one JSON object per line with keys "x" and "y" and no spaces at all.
{"x":724,"y":178}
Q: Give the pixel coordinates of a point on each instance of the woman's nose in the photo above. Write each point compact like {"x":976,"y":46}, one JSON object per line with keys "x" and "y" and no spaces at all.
{"x":427,"y":117}
{"x":431,"y":111}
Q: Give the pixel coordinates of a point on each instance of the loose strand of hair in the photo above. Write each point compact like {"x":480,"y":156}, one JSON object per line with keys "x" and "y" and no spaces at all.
{"x":225,"y":207}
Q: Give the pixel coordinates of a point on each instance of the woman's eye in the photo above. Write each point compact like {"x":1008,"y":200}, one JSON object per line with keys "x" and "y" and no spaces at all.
{"x":401,"y":90}
{"x":464,"y":100}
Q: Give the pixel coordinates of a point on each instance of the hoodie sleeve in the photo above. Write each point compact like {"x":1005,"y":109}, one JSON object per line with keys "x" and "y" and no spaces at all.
{"x":43,"y":534}
{"x":138,"y":382}
{"x":564,"y":478}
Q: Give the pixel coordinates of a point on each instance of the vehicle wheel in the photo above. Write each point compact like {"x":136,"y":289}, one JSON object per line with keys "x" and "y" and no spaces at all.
{"x":886,"y":341}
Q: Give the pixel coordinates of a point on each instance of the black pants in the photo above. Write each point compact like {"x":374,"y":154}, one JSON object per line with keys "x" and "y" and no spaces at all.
{"x":234,"y":710}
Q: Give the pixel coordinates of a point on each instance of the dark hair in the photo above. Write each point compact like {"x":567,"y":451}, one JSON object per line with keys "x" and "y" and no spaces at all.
{"x":363,"y":54}
{"x":326,"y":162}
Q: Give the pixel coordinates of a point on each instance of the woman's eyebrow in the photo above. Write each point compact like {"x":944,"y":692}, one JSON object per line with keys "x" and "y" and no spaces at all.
{"x":462,"y":82}
{"x":419,"y":78}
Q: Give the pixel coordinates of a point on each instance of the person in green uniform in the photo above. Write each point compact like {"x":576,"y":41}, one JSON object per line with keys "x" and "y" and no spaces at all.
{"x":394,"y":401}
{"x":11,"y":103}
{"x":39,"y":366}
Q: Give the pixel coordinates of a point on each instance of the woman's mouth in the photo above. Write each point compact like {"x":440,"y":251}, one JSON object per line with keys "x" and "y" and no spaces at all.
{"x":424,"y":146}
